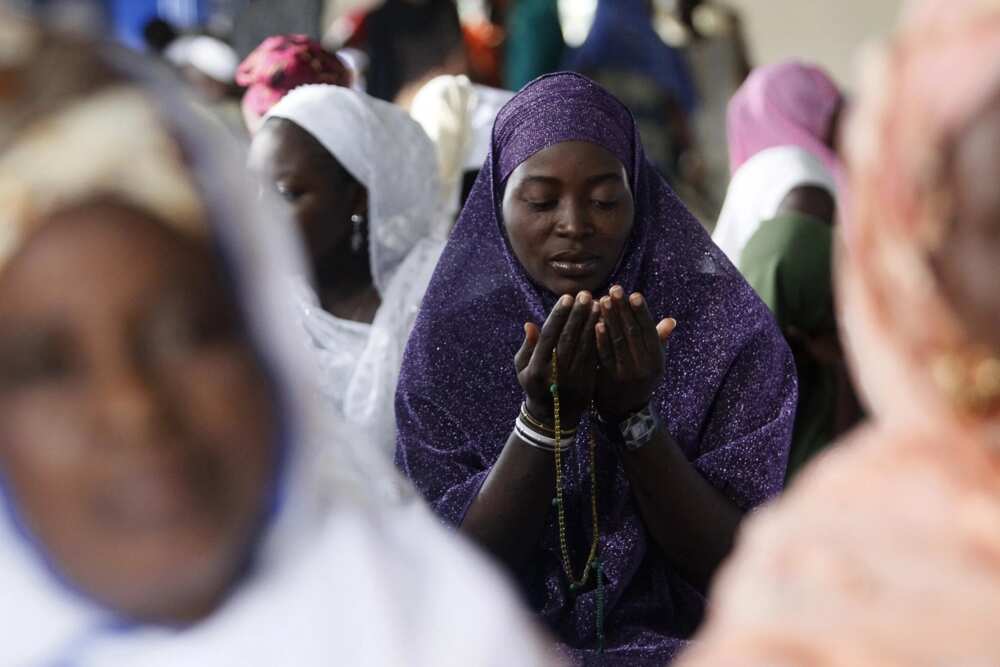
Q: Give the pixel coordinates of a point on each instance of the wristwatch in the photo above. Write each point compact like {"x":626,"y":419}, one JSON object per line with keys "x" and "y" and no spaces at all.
{"x":634,"y":431}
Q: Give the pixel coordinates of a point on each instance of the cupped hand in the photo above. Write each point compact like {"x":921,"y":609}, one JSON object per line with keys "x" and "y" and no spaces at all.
{"x":630,"y":350}
{"x":570,"y":331}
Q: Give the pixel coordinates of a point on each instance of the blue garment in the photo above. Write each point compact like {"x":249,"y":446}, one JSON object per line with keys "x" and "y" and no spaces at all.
{"x":622,"y":37}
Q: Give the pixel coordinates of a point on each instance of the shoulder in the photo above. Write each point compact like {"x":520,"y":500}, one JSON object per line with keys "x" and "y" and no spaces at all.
{"x":846,"y":562}
{"x":438,"y":592}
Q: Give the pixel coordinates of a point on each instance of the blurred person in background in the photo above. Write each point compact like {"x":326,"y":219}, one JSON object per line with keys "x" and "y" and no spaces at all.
{"x":623,"y":53}
{"x":710,"y":35}
{"x":170,"y":493}
{"x":606,"y":474}
{"x":280,"y":64}
{"x":208,"y":65}
{"x":360,"y":177}
{"x":158,"y":34}
{"x":410,"y":42}
{"x":776,"y":225}
{"x":885,"y":550}
{"x":458,"y":117}
{"x":534,"y":42}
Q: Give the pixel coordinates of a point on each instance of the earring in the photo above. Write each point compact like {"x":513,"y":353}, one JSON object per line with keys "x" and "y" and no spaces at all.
{"x":357,"y":237}
{"x":973,"y":383}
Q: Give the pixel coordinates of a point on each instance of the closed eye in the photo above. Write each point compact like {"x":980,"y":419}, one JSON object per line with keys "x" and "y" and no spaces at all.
{"x":290,"y":195}
{"x":541,"y":206}
{"x":606,"y":205}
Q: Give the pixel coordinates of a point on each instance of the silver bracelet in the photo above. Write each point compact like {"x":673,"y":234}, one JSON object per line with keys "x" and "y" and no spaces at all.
{"x":530,"y":436}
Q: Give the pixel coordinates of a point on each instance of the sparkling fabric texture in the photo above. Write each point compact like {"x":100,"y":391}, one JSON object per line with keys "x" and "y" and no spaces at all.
{"x":728,"y":395}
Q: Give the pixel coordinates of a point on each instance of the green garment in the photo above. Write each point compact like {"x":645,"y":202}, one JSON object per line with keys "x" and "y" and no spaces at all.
{"x":534,"y":42}
{"x":788,"y":263}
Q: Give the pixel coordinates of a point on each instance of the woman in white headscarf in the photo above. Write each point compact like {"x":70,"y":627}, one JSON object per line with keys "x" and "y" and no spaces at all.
{"x":169,"y":494}
{"x":361,"y":178}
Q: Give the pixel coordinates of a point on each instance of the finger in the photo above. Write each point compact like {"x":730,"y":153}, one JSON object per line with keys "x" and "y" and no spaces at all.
{"x":645,"y":320}
{"x":619,"y":346}
{"x":634,"y":341}
{"x":554,"y":323}
{"x":574,"y":327}
{"x":603,"y":340}
{"x":523,"y":355}
{"x":588,"y":340}
{"x":665,"y":328}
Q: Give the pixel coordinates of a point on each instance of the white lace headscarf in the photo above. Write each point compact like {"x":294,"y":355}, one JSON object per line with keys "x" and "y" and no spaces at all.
{"x":389,"y":154}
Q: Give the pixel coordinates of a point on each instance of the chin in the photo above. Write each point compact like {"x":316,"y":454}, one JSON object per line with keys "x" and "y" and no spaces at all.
{"x":172,"y":580}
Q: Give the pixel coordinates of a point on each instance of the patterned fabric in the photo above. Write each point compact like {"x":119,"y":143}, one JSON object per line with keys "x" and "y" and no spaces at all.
{"x":283,"y":63}
{"x":728,"y":395}
{"x":886,"y":551}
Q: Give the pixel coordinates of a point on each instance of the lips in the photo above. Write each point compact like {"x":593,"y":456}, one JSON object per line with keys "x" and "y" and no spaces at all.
{"x":572,"y":264}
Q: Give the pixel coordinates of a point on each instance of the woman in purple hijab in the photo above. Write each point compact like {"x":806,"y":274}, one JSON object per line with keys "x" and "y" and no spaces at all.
{"x":528,"y":436}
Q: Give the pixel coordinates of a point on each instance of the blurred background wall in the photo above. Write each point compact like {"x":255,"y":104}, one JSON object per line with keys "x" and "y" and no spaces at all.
{"x":829,"y":31}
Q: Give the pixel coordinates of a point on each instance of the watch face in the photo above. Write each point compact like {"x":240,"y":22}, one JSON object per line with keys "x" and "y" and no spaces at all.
{"x":638,"y":429}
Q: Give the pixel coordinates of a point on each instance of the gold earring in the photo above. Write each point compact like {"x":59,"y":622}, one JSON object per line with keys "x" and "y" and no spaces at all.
{"x":972,"y":383}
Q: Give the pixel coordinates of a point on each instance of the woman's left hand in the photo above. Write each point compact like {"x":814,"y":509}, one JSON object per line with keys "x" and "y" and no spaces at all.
{"x":630,"y":350}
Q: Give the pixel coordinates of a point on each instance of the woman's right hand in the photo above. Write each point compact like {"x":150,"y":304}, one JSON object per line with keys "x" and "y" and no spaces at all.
{"x":570,"y":330}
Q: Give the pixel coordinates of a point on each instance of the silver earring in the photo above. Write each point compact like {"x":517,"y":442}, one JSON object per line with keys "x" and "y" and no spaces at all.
{"x":357,"y":238}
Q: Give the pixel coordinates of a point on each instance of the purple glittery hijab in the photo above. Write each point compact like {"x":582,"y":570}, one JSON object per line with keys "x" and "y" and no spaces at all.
{"x":728,"y":395}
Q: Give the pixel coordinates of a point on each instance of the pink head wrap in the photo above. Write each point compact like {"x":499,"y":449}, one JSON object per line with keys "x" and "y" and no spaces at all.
{"x":281,"y":63}
{"x":780,"y":105}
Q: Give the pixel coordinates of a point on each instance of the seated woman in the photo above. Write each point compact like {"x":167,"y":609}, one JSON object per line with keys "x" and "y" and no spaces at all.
{"x":887,"y":550}
{"x":788,"y":262}
{"x":777,"y":226}
{"x":361,"y":179}
{"x":164,"y":498}
{"x":652,"y":455}
{"x":782,"y":129}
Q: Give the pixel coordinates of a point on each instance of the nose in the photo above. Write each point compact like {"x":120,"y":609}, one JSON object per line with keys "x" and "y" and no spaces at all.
{"x":575,"y":223}
{"x":130,"y":402}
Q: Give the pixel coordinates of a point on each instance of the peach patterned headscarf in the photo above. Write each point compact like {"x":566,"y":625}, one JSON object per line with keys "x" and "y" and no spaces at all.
{"x":886,"y":551}
{"x":910,"y":352}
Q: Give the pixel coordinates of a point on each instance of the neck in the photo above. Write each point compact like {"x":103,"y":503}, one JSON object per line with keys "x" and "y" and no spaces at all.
{"x":345,"y":285}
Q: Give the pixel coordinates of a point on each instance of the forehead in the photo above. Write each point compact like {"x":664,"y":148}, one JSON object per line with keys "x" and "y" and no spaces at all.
{"x":570,"y":161}
{"x":280,"y":143}
{"x":90,"y":254}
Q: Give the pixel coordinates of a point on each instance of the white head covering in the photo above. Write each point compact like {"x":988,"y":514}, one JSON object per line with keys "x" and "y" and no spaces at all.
{"x":757,"y":190}
{"x":210,"y":56}
{"x":388,"y":153}
{"x":458,"y":117}
{"x":341,"y":576}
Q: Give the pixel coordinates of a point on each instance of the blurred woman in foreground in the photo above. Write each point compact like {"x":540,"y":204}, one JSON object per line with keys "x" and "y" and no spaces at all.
{"x":886,"y":551}
{"x":169,"y":497}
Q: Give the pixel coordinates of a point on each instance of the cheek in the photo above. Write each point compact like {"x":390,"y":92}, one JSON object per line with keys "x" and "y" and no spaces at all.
{"x":46,"y":441}
{"x":224,"y":400}
{"x":969,"y":277}
{"x":616,"y":227}
{"x":527,"y":234}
